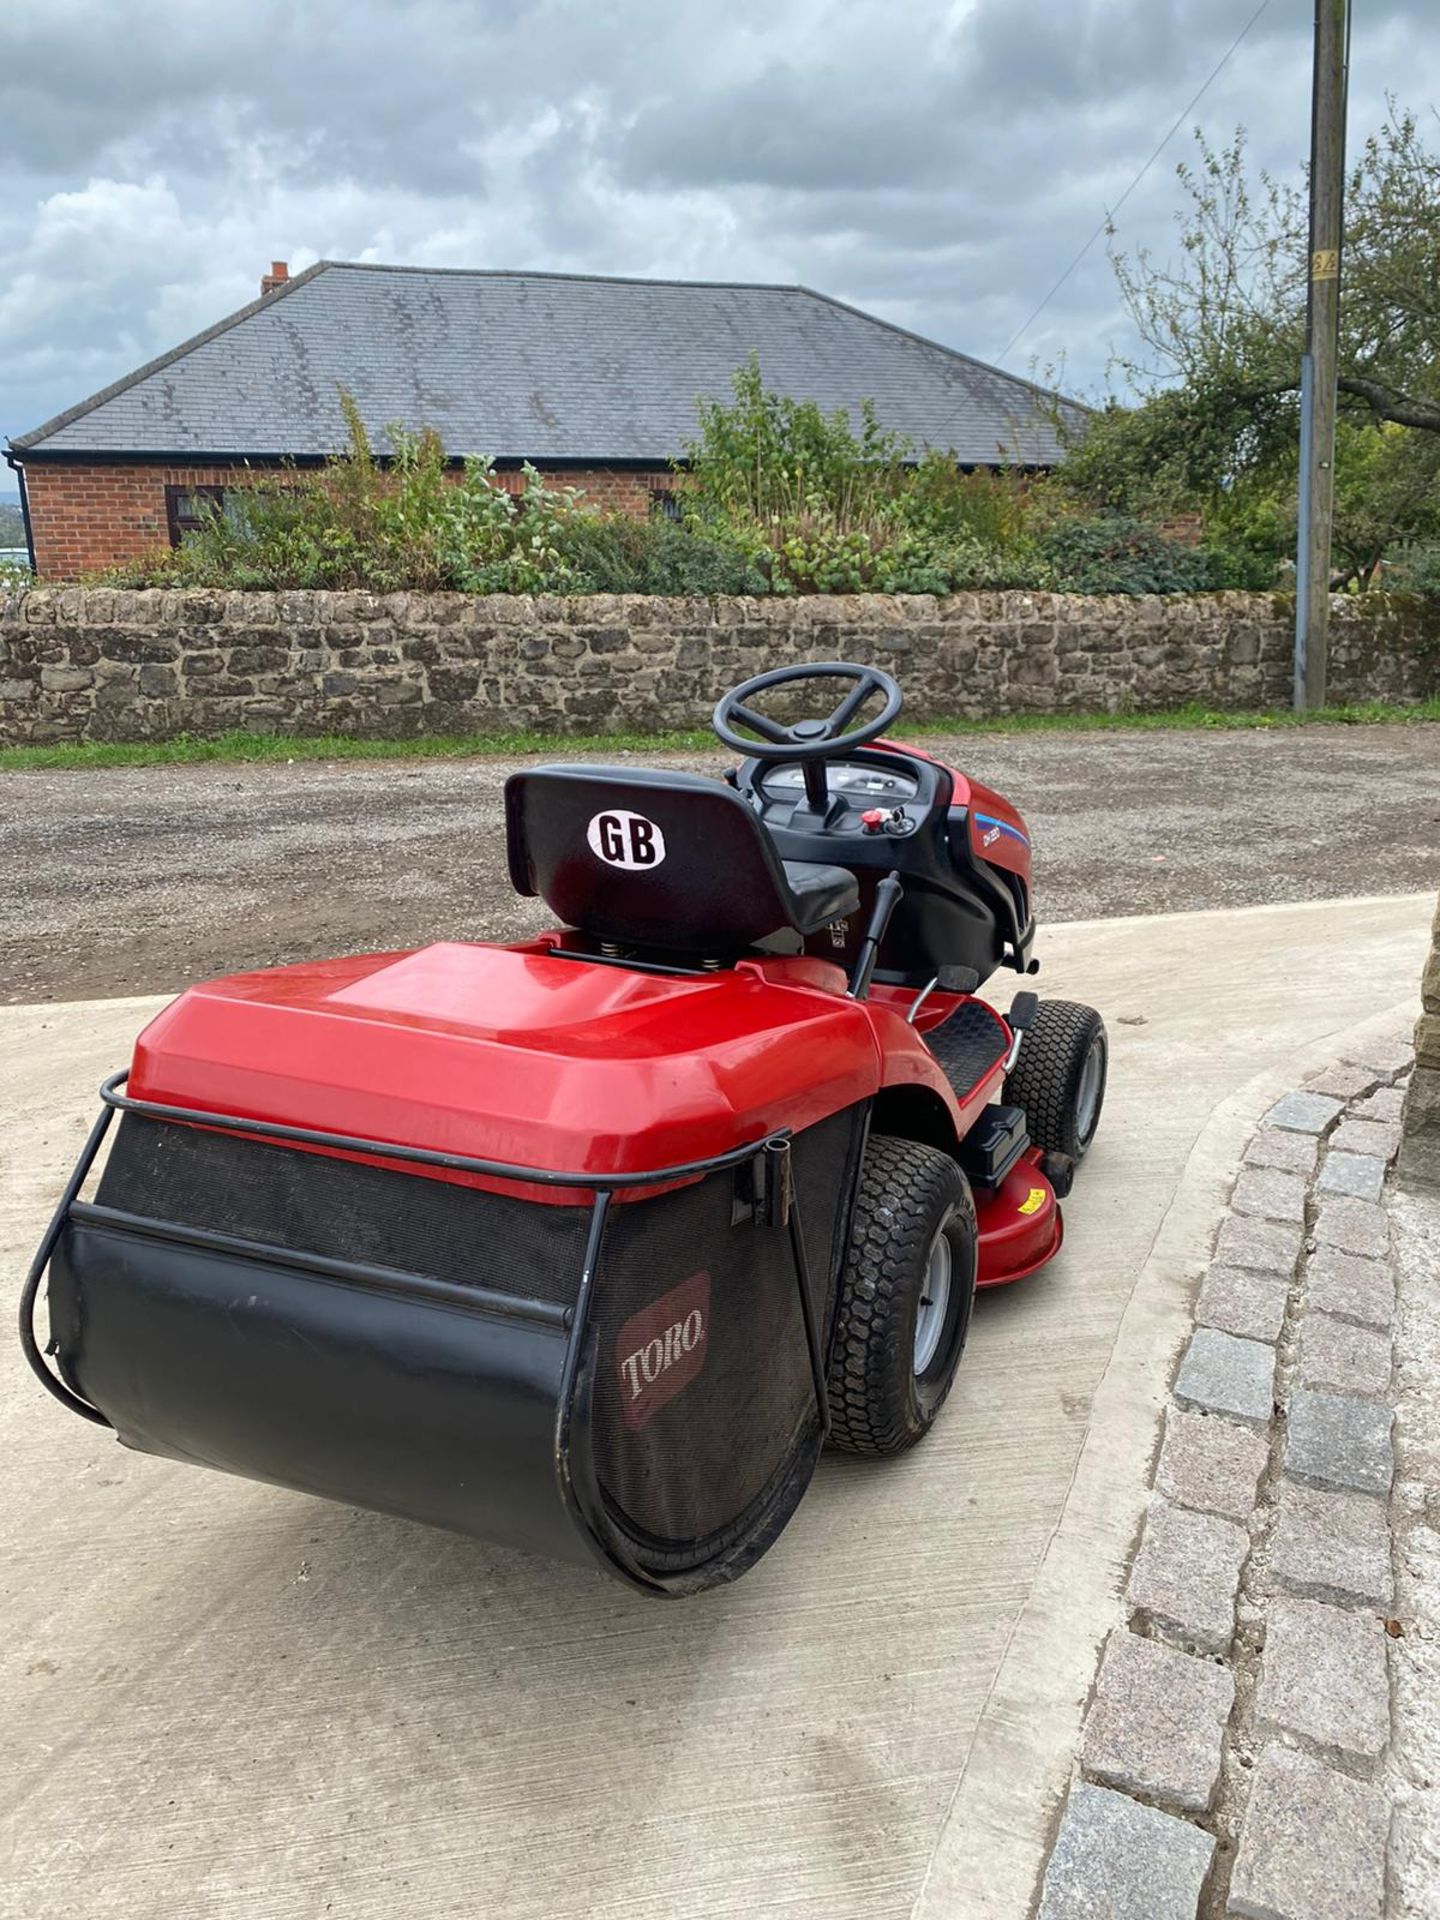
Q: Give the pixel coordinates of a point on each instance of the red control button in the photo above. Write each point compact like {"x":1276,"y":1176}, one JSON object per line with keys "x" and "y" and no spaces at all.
{"x":873,"y":819}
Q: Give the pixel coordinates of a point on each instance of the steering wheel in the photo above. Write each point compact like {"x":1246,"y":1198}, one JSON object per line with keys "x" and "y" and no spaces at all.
{"x":807,"y":740}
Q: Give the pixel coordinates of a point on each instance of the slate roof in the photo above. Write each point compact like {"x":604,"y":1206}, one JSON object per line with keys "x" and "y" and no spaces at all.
{"x":547,"y":367}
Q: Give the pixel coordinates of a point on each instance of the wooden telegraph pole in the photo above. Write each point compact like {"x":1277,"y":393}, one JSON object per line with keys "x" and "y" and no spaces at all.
{"x":1322,"y":340}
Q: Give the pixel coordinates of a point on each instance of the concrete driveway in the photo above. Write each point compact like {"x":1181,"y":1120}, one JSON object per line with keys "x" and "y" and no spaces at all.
{"x":224,"y":1702}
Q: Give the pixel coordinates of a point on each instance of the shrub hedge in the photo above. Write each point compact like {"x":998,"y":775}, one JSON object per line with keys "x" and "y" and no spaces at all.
{"x":777,"y":498}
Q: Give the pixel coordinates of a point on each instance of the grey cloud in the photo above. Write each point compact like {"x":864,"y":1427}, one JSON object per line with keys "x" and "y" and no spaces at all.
{"x":937,"y":162}
{"x":788,"y":129}
{"x":920,"y":104}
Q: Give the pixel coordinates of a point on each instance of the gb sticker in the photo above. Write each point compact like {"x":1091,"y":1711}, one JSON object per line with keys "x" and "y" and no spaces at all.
{"x":625,"y":840}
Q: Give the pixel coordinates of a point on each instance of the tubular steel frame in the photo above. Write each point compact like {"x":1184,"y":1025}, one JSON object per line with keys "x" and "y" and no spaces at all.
{"x":771,"y":1152}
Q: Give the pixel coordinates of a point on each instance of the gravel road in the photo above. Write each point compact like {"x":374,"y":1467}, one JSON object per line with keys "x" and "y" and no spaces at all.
{"x":138,"y":879}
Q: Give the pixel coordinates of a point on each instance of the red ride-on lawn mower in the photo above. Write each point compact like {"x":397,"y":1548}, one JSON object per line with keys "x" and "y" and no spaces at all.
{"x":587,"y":1243}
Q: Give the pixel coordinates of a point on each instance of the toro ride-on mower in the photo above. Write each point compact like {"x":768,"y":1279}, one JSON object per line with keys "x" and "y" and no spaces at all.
{"x":587,"y":1243}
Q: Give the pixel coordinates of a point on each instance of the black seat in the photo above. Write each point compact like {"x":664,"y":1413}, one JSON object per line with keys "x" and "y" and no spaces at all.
{"x":651,"y":858}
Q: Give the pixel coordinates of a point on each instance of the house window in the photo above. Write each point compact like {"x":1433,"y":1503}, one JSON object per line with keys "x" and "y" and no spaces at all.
{"x":188,"y":508}
{"x":665,"y":505}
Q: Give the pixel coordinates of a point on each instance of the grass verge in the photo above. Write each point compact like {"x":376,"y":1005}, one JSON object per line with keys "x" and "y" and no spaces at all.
{"x":186,"y":750}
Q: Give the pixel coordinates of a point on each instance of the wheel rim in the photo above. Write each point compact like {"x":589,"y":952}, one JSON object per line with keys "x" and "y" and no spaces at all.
{"x":1087,"y":1101}
{"x":934,"y":1306}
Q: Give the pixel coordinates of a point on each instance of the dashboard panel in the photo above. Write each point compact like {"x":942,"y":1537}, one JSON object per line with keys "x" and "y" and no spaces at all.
{"x":868,"y":783}
{"x":956,"y":909}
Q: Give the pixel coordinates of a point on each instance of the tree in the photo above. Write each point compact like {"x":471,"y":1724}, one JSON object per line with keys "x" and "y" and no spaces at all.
{"x":1387,"y":494}
{"x":1227,"y":321}
{"x":1222,"y":329}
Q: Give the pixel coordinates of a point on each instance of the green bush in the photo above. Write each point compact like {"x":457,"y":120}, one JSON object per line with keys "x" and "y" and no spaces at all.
{"x":765,"y":460}
{"x":614,"y":554}
{"x":1236,"y":566}
{"x":1115,"y":554}
{"x":822,"y":506}
{"x":408,"y":525}
{"x":992,"y":509}
{"x":1414,"y":569}
{"x":779,"y":498}
{"x":953,"y":563}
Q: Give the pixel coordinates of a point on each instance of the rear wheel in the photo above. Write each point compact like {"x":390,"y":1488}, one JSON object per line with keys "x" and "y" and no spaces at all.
{"x":905,"y":1297}
{"x":1059,"y":1077}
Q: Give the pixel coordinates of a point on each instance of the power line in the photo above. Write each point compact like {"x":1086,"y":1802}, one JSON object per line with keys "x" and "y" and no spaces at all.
{"x":1106,"y":223}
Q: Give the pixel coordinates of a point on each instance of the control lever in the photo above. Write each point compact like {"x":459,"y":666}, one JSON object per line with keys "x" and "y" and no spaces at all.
{"x":887,"y":895}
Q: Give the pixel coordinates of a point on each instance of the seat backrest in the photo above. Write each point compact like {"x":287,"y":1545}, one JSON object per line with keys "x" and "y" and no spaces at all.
{"x":645,"y":857}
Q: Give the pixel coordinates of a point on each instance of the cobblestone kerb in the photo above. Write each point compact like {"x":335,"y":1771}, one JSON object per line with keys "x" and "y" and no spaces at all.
{"x":105,"y":664}
{"x":1246,"y":1703}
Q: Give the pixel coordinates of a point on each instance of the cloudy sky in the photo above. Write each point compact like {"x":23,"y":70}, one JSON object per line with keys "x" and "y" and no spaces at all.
{"x":937,"y":161}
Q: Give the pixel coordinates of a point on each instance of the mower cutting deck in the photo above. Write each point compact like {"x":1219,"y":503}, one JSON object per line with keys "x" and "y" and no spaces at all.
{"x":586,"y":1244}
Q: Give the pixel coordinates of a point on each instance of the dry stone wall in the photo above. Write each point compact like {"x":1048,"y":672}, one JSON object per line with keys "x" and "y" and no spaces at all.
{"x":104,"y":664}
{"x":1420,"y":1160}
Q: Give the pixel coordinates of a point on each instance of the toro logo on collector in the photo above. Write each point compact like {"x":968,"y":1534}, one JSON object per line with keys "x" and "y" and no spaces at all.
{"x":661,"y":1349}
{"x":623,"y":839}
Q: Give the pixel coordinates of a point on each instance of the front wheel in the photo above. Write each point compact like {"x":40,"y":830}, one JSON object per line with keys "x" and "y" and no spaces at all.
{"x":1059,"y":1077}
{"x":905,"y":1297}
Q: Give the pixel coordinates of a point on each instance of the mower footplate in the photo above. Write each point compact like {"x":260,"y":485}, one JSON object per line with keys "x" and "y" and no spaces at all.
{"x":969,"y":1045}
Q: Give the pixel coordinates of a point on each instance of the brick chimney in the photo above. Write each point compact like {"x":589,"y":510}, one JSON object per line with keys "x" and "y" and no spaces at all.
{"x":277,"y":276}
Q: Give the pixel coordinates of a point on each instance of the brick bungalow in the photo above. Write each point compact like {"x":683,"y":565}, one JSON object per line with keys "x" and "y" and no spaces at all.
{"x":592,"y":381}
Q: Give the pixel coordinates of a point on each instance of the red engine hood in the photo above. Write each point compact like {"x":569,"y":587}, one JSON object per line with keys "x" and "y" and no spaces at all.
{"x":510,"y":1054}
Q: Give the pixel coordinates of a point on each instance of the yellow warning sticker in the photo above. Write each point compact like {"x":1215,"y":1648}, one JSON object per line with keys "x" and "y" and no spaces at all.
{"x":1033,"y":1200}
